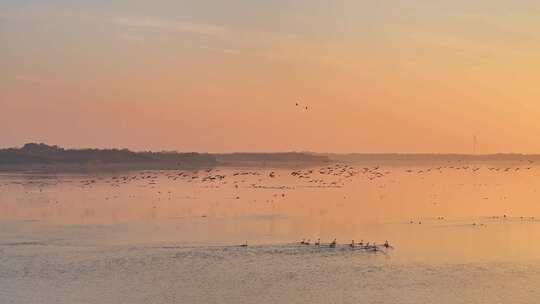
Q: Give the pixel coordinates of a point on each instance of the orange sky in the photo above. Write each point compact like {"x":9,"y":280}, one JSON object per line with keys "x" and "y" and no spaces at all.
{"x":385,"y":76}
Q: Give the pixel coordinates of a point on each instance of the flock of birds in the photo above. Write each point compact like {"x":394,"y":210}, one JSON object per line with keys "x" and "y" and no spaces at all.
{"x":277,"y":182}
{"x":332,"y":176}
{"x":301,"y":106}
{"x":471,"y":168}
{"x":364,"y":246}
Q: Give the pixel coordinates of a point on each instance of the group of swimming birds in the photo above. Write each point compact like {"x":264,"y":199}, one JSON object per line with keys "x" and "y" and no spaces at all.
{"x":353,"y":245}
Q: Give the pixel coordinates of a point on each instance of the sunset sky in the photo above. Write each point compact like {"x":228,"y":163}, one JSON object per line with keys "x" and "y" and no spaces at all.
{"x":221,"y":76}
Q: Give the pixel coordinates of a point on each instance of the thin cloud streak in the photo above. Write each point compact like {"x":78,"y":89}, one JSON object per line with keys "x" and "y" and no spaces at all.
{"x":171,"y":26}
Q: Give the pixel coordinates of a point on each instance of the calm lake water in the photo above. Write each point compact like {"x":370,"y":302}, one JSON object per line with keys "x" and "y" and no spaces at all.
{"x":462,"y":233}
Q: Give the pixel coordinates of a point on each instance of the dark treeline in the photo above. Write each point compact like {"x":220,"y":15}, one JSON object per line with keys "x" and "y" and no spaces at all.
{"x":43,"y":154}
{"x":33,"y":153}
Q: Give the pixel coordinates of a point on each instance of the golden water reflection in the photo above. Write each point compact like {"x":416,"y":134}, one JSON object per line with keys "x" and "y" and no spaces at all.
{"x":445,"y":214}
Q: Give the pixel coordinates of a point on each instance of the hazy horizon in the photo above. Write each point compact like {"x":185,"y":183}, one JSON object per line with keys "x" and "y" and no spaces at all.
{"x":157,"y":149}
{"x":289,"y":151}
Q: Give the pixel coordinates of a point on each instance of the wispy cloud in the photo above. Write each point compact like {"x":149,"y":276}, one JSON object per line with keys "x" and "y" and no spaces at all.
{"x":267,"y":44}
{"x":221,"y":50}
{"x":44,"y":80}
{"x":239,"y":41}
{"x":171,"y":26}
{"x":31,"y":80}
{"x":132,"y":38}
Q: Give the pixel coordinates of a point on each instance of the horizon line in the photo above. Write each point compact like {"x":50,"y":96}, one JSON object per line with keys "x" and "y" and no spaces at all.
{"x":294,"y":151}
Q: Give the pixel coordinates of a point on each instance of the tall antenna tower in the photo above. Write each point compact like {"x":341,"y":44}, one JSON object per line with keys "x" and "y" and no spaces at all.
{"x":474,"y":145}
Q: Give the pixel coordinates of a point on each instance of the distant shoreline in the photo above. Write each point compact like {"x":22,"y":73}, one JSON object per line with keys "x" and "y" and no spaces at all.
{"x":397,"y":158}
{"x":42,"y":157}
{"x":82,"y":168}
